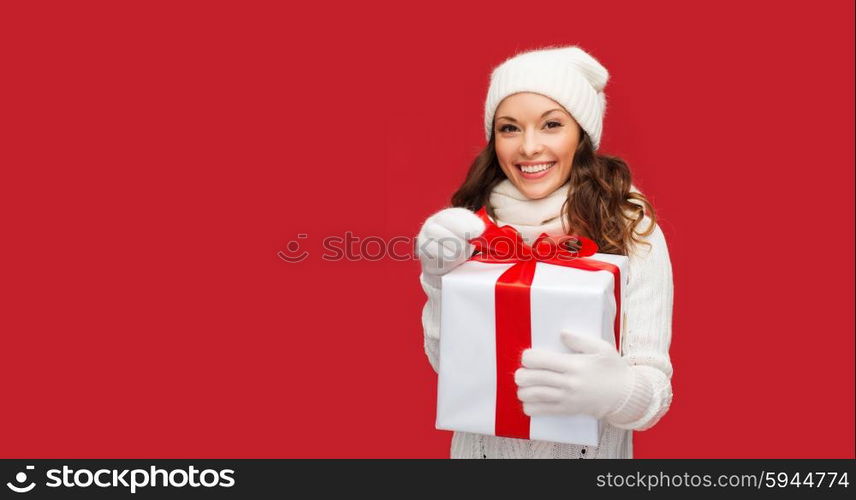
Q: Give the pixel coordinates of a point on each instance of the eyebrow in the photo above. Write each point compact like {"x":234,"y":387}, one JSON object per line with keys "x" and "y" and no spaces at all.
{"x":542,"y":116}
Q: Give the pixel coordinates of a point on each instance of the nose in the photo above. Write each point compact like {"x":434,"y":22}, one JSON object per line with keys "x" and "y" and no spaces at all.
{"x":530,"y":147}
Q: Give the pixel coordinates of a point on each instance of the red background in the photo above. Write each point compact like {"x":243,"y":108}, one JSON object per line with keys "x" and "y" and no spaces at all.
{"x":155,"y":158}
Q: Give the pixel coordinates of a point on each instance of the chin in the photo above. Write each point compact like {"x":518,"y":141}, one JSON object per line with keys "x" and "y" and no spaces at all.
{"x":535,"y":192}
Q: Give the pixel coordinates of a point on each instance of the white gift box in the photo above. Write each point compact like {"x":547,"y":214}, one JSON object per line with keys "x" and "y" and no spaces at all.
{"x":579,"y":300}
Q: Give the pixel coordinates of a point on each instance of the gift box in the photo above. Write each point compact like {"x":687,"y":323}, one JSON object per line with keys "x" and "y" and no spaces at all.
{"x":507,"y":298}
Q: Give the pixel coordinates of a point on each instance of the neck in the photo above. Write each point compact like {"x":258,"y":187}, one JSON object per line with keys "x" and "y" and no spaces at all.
{"x":527,"y":216}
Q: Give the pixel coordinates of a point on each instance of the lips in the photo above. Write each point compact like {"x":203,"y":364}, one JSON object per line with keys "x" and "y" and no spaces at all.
{"x":534,"y":175}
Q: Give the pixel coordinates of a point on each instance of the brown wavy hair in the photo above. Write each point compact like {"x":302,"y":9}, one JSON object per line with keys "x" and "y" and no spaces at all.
{"x":598,"y":205}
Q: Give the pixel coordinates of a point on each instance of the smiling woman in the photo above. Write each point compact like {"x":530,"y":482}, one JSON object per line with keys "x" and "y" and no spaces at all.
{"x":535,"y":150}
{"x":540,"y":173}
{"x":547,"y":106}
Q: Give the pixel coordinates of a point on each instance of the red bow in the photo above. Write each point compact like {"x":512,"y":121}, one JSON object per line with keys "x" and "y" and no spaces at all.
{"x":504,"y":244}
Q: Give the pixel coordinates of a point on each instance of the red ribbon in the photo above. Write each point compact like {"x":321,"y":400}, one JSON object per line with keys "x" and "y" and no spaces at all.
{"x":513,"y":330}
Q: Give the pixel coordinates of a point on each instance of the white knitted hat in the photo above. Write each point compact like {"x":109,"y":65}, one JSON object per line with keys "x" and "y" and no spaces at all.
{"x":568,"y":75}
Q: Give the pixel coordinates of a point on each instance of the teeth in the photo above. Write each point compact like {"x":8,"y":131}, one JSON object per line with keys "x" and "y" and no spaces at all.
{"x":536,"y":168}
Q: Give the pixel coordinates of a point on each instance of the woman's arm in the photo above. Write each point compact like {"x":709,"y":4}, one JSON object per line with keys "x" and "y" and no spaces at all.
{"x":431,"y":319}
{"x":648,"y":334}
{"x":442,"y":245}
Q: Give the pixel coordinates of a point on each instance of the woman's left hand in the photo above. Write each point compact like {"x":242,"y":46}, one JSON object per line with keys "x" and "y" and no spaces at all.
{"x":595,"y":381}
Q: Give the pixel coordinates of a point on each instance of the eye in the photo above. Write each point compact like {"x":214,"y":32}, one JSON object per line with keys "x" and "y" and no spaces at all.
{"x":547,"y":125}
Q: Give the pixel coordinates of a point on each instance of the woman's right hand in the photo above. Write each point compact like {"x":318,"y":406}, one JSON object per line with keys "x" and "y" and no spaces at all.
{"x":442,"y":243}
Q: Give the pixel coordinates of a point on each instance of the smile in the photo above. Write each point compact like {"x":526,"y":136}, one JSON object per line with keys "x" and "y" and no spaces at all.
{"x":536,"y":170}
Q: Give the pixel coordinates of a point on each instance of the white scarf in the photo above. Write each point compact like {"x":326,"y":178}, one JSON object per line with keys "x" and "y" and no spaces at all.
{"x":529,"y":217}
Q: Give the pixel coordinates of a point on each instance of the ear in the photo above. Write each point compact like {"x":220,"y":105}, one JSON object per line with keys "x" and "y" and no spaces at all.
{"x":584,"y":344}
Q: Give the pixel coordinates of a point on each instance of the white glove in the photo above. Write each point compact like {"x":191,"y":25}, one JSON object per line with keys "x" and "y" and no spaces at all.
{"x":442,"y":242}
{"x":596,"y":381}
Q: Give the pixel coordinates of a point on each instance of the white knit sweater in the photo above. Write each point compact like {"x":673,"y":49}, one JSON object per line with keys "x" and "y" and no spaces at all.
{"x":645,"y":343}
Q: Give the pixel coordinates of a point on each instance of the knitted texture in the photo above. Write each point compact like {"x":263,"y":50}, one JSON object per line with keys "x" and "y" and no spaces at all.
{"x":645,"y":344}
{"x":529,"y":217}
{"x":568,"y":75}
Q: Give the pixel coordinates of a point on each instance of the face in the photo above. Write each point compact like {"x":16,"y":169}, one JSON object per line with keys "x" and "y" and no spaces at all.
{"x":532,"y":132}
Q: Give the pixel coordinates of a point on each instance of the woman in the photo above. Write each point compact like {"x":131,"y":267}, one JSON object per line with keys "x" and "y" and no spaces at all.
{"x":540,"y":173}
